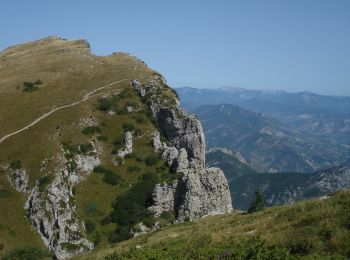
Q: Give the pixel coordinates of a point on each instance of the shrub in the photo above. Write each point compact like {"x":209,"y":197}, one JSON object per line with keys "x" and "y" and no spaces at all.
{"x":30,"y":86}
{"x":132,"y":207}
{"x":90,"y":226}
{"x":91,"y":208}
{"x":38,"y":82}
{"x":168,"y":215}
{"x":3,"y":193}
{"x":133,"y":169}
{"x":118,"y":141}
{"x":70,"y":150}
{"x":99,"y":169}
{"x":128,"y":127}
{"x":27,"y":253}
{"x":139,"y":119}
{"x":111,"y":178}
{"x":149,"y":221}
{"x":104,"y":104}
{"x":43,"y":182}
{"x":85,"y":148}
{"x":121,"y":233}
{"x":89,"y":130}
{"x":96,"y":238}
{"x":15,"y":165}
{"x":257,"y":203}
{"x":151,"y":160}
{"x":105,"y":220}
{"x":102,"y":138}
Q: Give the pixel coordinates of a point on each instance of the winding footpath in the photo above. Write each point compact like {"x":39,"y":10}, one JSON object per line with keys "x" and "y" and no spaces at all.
{"x":85,"y":97}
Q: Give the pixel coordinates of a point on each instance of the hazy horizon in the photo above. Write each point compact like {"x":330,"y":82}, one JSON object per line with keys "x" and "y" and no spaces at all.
{"x":292,"y":46}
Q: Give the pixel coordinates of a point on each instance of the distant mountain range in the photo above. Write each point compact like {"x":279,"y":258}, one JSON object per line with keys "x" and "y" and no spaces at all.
{"x":265,"y":143}
{"x":327,"y":116}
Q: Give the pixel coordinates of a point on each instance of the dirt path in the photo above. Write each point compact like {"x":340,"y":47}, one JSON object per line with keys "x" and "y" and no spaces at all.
{"x":85,"y":97}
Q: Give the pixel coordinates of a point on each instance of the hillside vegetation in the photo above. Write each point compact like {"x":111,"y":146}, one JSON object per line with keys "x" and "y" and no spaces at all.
{"x":312,"y":229}
{"x":98,"y":107}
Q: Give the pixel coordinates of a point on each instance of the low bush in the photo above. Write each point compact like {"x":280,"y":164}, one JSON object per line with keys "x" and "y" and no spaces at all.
{"x":151,"y":160}
{"x":102,"y":138}
{"x":3,"y":193}
{"x":85,"y":148}
{"x":90,"y":226}
{"x":43,"y":182}
{"x":27,"y":253}
{"x":131,"y":207}
{"x":128,"y":127}
{"x":90,"y":130}
{"x":105,"y":220}
{"x":15,"y":165}
{"x":91,"y":208}
{"x":109,"y":176}
{"x":104,"y":104}
{"x":133,"y":169}
{"x":31,"y":86}
{"x":257,"y":203}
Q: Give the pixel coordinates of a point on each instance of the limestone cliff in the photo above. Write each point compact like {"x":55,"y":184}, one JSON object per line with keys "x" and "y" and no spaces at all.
{"x":201,"y":191}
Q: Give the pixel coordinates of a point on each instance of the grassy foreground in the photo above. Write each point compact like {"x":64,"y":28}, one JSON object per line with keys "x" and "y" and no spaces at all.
{"x":313,"y":229}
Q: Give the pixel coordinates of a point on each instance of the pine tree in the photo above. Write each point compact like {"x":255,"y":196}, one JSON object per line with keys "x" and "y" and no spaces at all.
{"x":257,"y":203}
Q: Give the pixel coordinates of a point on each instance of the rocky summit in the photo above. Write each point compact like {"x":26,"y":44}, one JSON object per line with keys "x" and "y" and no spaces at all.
{"x":95,"y":150}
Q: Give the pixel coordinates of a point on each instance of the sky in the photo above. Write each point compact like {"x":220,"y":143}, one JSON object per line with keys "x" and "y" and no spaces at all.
{"x":292,"y":45}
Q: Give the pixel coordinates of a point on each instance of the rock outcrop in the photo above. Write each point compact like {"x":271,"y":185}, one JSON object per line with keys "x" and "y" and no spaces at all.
{"x":52,"y":209}
{"x":18,"y":179}
{"x":127,"y":149}
{"x":201,"y":191}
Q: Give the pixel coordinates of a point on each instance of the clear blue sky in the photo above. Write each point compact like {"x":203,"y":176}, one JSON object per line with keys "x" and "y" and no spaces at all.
{"x":292,"y":45}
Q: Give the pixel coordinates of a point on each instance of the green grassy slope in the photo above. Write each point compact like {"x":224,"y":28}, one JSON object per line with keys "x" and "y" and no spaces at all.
{"x":68,"y":71}
{"x":313,"y":229}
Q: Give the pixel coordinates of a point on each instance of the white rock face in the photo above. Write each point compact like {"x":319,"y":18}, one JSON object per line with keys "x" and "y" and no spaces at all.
{"x":128,"y":145}
{"x":201,"y":191}
{"x":52,"y":210}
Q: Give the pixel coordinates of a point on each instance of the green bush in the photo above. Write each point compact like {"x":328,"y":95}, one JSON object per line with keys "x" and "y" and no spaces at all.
{"x":139,"y":119}
{"x":99,"y":169}
{"x":31,"y":86}
{"x":122,"y":233}
{"x":96,"y":238}
{"x":91,"y":208}
{"x":85,"y":148}
{"x":4,"y":193}
{"x":131,"y":207}
{"x":111,"y":178}
{"x":102,"y":138}
{"x":70,"y":150}
{"x":133,"y":169}
{"x":151,"y":160}
{"x":128,"y":127}
{"x":26,"y":253}
{"x":43,"y":182}
{"x":118,"y":141}
{"x":257,"y":203}
{"x":90,"y":130}
{"x":90,"y":226}
{"x":104,"y":104}
{"x":15,"y":165}
{"x":105,"y":220}
{"x":168,"y":215}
